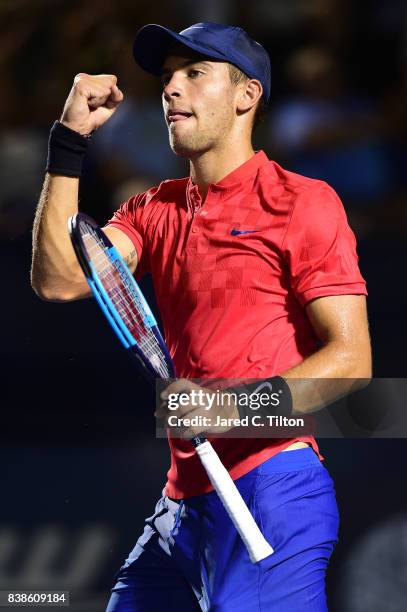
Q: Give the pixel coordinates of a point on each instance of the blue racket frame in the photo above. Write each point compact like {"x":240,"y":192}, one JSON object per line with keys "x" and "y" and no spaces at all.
{"x":104,"y":301}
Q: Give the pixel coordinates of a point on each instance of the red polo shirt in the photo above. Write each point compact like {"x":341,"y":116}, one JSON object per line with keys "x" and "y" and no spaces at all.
{"x":232,"y":276}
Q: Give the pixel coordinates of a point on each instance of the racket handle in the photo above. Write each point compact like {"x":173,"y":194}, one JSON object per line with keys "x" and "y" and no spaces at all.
{"x":256,"y":544}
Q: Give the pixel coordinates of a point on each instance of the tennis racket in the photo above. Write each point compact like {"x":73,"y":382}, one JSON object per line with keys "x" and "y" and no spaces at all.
{"x":127,"y":311}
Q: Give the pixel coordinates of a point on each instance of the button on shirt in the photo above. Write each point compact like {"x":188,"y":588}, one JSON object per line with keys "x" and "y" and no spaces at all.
{"x":232,"y":277}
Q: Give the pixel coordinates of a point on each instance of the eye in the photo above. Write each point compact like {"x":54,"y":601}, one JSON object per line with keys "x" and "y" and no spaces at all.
{"x":194,"y":73}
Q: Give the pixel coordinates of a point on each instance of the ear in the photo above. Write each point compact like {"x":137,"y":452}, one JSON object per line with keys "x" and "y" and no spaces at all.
{"x":249,"y":94}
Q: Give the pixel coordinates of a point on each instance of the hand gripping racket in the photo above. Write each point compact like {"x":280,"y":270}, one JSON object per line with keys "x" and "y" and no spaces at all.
{"x":124,"y":306}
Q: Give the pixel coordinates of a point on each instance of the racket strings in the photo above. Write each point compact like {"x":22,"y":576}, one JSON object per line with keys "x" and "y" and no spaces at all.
{"x":122,"y":292}
{"x":130,"y":310}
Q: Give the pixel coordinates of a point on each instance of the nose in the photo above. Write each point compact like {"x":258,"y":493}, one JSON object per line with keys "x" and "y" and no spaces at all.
{"x":173,"y":88}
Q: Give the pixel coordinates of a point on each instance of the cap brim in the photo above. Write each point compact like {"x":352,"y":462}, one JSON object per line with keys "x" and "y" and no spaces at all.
{"x":153,"y":42}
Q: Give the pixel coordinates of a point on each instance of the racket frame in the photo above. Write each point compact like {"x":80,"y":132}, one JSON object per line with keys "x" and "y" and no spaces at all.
{"x":104,"y":300}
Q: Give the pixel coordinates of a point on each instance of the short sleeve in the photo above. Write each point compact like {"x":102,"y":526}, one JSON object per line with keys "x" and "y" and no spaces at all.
{"x":320,"y":248}
{"x":130,"y":218}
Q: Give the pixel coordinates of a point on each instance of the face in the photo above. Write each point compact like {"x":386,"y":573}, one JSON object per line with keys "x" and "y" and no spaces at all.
{"x":201,"y":91}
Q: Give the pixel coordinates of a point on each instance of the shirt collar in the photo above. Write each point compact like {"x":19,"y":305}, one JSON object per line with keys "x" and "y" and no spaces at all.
{"x":235,"y":178}
{"x":243,"y":172}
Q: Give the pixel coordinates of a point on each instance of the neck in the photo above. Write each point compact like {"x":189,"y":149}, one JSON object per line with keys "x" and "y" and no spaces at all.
{"x":212,"y":166}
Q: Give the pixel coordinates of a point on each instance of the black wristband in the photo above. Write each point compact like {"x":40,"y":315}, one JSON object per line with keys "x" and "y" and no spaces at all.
{"x":66,"y":150}
{"x":269,"y":397}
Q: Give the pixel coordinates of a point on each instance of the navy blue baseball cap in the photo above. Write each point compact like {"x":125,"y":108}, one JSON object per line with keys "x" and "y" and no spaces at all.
{"x":214,"y":40}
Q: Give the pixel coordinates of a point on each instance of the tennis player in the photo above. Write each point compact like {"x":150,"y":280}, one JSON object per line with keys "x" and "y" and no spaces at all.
{"x":256,"y":275}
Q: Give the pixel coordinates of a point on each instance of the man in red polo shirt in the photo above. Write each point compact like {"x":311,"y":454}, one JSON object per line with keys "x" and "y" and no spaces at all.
{"x":256,"y":276}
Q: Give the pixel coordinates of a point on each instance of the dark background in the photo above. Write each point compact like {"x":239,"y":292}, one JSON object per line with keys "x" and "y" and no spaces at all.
{"x":80,"y":464}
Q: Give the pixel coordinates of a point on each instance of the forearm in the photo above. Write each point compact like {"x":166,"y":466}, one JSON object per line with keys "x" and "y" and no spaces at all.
{"x":337,"y":369}
{"x":322,"y":378}
{"x":326,"y":375}
{"x":55,"y":272}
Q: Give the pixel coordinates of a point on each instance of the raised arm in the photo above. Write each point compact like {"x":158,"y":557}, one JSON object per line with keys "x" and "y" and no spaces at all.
{"x":55,"y":272}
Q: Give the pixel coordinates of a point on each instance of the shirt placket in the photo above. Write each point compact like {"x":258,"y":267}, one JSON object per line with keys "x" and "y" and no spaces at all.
{"x":194,"y":206}
{"x":197,"y":246}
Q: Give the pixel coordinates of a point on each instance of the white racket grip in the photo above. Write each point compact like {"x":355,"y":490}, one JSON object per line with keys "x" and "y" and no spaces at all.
{"x":256,"y":544}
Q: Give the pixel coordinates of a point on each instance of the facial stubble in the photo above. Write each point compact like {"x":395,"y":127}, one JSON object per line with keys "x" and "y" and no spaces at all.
{"x":191,"y":140}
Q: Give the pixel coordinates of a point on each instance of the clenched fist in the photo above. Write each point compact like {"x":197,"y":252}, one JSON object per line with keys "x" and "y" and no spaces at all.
{"x":91,"y":102}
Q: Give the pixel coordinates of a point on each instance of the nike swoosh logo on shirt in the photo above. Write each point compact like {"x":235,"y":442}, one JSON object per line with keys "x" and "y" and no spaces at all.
{"x":236,"y":232}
